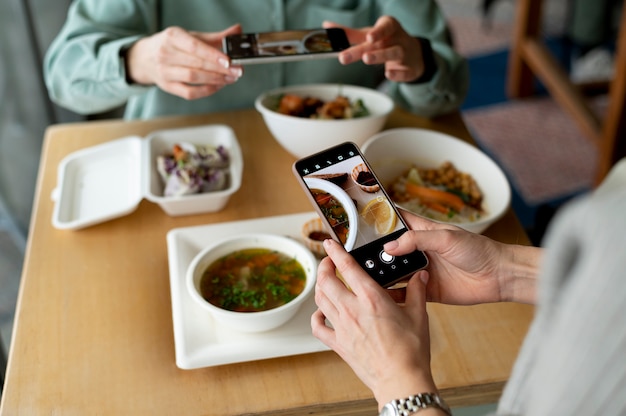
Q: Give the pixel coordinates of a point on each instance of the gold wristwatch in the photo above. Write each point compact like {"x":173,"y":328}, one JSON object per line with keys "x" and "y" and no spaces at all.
{"x":413,"y":404}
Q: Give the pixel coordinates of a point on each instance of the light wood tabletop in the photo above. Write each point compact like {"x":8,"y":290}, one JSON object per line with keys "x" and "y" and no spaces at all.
{"x":94,"y":330}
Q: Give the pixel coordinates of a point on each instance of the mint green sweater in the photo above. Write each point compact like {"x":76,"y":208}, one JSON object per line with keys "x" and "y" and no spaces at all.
{"x":84,"y":73}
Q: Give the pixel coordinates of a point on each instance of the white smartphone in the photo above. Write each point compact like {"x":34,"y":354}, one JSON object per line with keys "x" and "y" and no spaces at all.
{"x":291,"y":45}
{"x":357,"y":211}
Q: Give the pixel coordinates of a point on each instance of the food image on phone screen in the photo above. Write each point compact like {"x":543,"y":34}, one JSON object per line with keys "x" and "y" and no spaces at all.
{"x":354,"y":205}
{"x":285,"y":46}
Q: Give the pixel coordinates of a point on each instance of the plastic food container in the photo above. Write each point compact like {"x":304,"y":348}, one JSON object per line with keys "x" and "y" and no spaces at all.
{"x":109,"y":180}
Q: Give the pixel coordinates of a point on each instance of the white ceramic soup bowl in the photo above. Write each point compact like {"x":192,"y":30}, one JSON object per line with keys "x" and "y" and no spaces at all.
{"x":305,"y":136}
{"x":252,"y":321}
{"x":394,"y":151}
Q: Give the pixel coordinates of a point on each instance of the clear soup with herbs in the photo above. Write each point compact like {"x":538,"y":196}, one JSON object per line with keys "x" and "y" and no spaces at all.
{"x":252,"y":280}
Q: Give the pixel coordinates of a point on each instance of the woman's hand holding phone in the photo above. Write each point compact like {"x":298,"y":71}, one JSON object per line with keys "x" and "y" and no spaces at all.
{"x":190,"y":65}
{"x":467,"y":268}
{"x":385,"y":43}
{"x":386,"y":345}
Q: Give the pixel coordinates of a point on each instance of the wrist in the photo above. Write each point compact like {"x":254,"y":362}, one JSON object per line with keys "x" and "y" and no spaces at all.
{"x":518,"y":279}
{"x":429,"y":64}
{"x":124,"y":58}
{"x":403,"y":386}
{"x":132,"y":56}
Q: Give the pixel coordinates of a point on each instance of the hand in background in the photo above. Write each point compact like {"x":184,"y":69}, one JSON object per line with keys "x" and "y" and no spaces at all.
{"x":386,"y":345}
{"x":385,"y":43}
{"x":467,"y":268}
{"x":187,"y":64}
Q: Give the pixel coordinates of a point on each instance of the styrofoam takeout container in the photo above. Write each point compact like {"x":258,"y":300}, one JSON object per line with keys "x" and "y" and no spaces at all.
{"x":109,"y":180}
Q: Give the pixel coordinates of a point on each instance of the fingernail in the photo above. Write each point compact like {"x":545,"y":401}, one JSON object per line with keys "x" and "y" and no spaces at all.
{"x":230,"y":79}
{"x":328,"y":242}
{"x":224,"y":62}
{"x":236,"y":71}
{"x":424,"y":277}
{"x":391,"y":245}
{"x":345,"y":58}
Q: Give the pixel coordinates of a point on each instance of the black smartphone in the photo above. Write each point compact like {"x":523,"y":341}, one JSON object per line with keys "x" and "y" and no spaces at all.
{"x":357,"y":211}
{"x":290,"y":45}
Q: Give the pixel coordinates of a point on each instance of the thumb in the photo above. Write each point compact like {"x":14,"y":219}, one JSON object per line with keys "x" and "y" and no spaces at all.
{"x":416,"y":291}
{"x":215,"y":38}
{"x":232,"y":30}
{"x":327,"y":24}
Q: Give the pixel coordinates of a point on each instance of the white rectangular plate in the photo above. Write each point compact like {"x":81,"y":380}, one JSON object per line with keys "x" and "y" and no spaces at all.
{"x":199,"y":340}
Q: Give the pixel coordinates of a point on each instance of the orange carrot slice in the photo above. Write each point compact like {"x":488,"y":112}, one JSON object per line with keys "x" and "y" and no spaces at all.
{"x":434,"y":195}
{"x":435,"y":206}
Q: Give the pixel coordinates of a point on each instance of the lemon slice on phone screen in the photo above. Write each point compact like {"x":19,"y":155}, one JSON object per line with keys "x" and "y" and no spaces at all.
{"x":380,"y":213}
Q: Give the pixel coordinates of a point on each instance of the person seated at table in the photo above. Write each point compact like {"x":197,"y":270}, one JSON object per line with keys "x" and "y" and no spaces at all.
{"x":165,"y":57}
{"x":572,"y":360}
{"x":592,"y":30}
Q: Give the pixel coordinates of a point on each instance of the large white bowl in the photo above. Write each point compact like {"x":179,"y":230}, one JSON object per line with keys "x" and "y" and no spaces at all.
{"x":345,"y":200}
{"x":252,"y":321}
{"x":394,"y":151}
{"x":303,"y":136}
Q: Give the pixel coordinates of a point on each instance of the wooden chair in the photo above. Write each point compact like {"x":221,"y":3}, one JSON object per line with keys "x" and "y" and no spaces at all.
{"x":529,"y":57}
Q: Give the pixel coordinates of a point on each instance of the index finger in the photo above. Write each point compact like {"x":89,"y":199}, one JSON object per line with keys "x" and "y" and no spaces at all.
{"x":356,"y":52}
{"x":417,"y":222}
{"x":188,"y":42}
{"x":355,"y":277}
{"x":385,"y":27}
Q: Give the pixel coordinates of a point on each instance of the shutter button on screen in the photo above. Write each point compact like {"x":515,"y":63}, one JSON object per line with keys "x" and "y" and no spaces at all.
{"x":386,"y":257}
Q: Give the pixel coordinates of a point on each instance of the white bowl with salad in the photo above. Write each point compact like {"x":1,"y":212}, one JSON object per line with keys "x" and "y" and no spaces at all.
{"x":440,"y":177}
{"x":306,"y":119}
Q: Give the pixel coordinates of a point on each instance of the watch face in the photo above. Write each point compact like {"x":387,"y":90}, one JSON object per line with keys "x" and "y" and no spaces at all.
{"x":389,"y":410}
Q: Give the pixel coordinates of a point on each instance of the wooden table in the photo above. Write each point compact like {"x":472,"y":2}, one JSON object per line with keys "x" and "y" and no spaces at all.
{"x":93,"y":331}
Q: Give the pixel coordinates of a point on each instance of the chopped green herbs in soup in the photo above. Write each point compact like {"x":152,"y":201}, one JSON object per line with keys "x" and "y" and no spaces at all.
{"x":252,"y":280}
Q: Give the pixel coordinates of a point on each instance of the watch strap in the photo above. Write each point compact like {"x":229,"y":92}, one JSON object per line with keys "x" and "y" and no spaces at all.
{"x":417,"y":402}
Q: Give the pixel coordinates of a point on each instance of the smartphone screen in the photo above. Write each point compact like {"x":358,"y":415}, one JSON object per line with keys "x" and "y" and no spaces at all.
{"x":291,"y":45}
{"x":356,"y":209}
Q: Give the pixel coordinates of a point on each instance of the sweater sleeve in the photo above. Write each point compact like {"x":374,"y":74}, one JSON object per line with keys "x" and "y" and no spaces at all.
{"x":83,"y":69}
{"x":572,"y":361}
{"x":84,"y":72}
{"x":448,"y":88}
